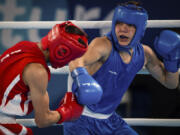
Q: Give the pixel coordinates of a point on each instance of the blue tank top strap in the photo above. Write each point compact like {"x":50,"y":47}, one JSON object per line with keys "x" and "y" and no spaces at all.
{"x":109,"y":35}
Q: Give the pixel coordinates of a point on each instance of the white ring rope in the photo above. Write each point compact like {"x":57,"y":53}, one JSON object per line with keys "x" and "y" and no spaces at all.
{"x":63,"y":70}
{"x":82,"y":24}
{"x":130,"y":121}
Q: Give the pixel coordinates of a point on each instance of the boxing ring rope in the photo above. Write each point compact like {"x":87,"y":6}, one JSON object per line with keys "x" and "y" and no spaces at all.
{"x":130,"y":121}
{"x":64,"y":70}
{"x":82,"y":24}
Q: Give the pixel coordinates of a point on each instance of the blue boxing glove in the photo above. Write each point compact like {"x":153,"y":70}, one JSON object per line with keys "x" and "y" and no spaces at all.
{"x":167,"y":45}
{"x":86,"y":89}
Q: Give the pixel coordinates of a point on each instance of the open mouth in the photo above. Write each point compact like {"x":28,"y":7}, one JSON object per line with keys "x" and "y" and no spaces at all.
{"x":123,"y":38}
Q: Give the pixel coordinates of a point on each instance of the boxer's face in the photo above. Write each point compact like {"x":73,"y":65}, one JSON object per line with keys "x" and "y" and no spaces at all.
{"x":124,"y":33}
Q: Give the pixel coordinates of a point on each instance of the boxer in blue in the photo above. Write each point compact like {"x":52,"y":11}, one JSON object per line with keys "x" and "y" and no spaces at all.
{"x":113,"y":61}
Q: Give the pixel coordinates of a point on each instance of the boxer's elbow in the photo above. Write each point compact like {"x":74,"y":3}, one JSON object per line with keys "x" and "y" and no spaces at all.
{"x":42,"y":121}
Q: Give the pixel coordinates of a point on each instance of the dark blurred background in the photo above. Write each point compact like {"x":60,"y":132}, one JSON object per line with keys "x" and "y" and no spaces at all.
{"x":145,"y":98}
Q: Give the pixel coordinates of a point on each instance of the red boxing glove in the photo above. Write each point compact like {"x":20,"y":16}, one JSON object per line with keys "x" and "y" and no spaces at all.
{"x":69,"y":108}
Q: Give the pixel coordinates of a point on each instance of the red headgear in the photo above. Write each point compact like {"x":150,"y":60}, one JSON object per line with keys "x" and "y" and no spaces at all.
{"x":65,"y":42}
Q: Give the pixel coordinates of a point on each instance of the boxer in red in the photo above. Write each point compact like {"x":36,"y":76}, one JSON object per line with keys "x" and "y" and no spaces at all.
{"x":24,"y":78}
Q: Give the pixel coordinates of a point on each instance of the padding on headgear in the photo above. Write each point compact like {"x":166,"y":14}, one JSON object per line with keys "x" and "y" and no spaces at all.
{"x":65,"y":42}
{"x":130,"y":14}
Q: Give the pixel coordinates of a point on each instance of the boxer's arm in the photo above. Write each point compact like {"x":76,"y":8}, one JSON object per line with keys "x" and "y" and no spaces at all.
{"x":97,"y":49}
{"x":157,"y":70}
{"x":36,"y":77}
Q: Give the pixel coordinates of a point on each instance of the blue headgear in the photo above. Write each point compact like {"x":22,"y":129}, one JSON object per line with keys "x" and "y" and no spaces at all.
{"x":130,"y":14}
